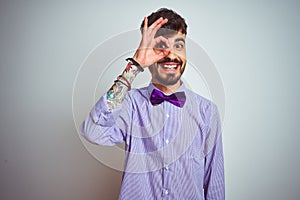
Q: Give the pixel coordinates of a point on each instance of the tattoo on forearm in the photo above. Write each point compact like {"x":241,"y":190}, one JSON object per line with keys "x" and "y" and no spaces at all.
{"x":117,"y":92}
{"x":130,"y":72}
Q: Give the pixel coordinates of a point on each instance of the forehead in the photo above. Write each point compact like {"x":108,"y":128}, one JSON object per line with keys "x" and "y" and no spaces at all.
{"x":176,"y":37}
{"x":169,"y":33}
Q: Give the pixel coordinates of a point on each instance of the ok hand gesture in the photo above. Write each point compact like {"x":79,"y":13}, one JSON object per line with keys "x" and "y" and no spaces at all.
{"x":148,"y":51}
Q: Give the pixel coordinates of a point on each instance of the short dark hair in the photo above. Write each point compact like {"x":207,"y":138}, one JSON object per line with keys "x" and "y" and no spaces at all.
{"x":175,"y":22}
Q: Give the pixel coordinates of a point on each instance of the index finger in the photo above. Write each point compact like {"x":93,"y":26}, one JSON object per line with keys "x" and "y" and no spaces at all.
{"x":145,"y":24}
{"x":154,"y":24}
{"x":160,"y":39}
{"x":158,"y":26}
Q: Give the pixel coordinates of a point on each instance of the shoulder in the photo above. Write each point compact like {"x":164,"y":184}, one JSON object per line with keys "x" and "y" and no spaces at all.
{"x":137,"y":96}
{"x":205,"y":107}
{"x":139,"y":93}
{"x":198,"y":99}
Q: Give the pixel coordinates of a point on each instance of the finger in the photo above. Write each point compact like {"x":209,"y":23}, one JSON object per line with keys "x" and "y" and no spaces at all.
{"x":156,"y":22}
{"x":145,"y":24}
{"x":162,"y":53}
{"x":166,"y":52}
{"x":161,"y":39}
{"x":158,"y":26}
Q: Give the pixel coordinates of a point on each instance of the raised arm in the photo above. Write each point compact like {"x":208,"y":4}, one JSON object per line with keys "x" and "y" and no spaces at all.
{"x":100,"y":126}
{"x":146,"y":55}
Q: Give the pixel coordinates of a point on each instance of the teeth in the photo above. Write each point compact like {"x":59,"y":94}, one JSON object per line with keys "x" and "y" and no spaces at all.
{"x":170,"y":66}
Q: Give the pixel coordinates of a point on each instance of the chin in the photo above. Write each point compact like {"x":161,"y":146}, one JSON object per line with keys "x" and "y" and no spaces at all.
{"x":169,"y":80}
{"x":166,"y":74}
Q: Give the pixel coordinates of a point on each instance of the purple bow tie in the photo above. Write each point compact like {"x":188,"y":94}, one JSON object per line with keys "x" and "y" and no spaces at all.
{"x":178,"y":98}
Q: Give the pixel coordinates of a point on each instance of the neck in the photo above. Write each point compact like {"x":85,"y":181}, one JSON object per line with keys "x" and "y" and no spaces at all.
{"x":167,"y":89}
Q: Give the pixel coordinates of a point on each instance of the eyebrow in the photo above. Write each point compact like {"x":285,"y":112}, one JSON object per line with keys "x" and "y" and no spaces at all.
{"x":180,"y":39}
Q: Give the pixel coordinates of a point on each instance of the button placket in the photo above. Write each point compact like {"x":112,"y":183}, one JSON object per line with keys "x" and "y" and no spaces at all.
{"x":166,"y":167}
{"x":168,"y":126}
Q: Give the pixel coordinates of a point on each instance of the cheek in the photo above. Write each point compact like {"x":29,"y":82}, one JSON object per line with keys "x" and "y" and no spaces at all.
{"x":183,"y":67}
{"x":181,"y":55}
{"x":152,"y":68}
{"x":183,"y":59}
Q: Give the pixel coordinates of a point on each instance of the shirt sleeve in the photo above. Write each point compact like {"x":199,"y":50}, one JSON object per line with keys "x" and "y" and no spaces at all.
{"x":100,"y":126}
{"x":214,"y":183}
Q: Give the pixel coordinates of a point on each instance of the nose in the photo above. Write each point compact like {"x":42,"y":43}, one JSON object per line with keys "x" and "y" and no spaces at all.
{"x":171,"y":54}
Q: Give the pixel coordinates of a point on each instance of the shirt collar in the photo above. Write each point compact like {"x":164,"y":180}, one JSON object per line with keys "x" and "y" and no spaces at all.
{"x":151,"y":87}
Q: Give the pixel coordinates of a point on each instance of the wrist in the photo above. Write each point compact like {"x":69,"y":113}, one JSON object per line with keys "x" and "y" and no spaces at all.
{"x":135,"y":63}
{"x":121,"y":79}
{"x":139,"y":60}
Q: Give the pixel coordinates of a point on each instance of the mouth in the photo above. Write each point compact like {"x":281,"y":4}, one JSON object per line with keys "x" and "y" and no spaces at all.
{"x":169,"y":66}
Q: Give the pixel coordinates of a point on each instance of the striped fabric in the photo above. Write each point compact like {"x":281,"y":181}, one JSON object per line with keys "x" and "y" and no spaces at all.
{"x":171,"y":152}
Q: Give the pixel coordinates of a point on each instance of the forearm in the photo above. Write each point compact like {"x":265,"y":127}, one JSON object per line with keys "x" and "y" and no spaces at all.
{"x":117,"y":92}
{"x":100,"y":125}
{"x":145,"y":56}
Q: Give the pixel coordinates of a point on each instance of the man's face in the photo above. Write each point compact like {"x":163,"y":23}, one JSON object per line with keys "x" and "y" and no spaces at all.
{"x":168,"y":70}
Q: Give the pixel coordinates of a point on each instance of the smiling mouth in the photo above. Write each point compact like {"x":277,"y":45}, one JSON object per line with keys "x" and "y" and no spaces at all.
{"x":170,"y":66}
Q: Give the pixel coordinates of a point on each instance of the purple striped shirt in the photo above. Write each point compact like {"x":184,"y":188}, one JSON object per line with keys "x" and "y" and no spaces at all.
{"x":171,"y":152}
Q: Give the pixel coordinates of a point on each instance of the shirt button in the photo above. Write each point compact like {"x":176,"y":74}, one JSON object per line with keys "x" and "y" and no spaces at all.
{"x":167,"y":167}
{"x":167,"y":141}
{"x":166,"y":192}
{"x":167,"y":115}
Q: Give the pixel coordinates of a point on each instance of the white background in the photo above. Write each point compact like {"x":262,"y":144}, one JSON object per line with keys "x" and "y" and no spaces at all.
{"x":254,"y":45}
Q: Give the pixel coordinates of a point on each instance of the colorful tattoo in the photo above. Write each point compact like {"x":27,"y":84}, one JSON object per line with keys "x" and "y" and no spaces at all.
{"x":130,"y":72}
{"x":118,"y":91}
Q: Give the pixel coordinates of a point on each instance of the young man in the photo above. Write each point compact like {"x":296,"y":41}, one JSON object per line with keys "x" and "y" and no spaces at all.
{"x":172,"y":135}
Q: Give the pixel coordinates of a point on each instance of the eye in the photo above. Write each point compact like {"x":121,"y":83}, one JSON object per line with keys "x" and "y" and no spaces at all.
{"x":161,"y":45}
{"x":179,"y":46}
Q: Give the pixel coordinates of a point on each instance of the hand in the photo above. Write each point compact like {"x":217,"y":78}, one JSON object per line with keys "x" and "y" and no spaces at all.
{"x":148,"y":51}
